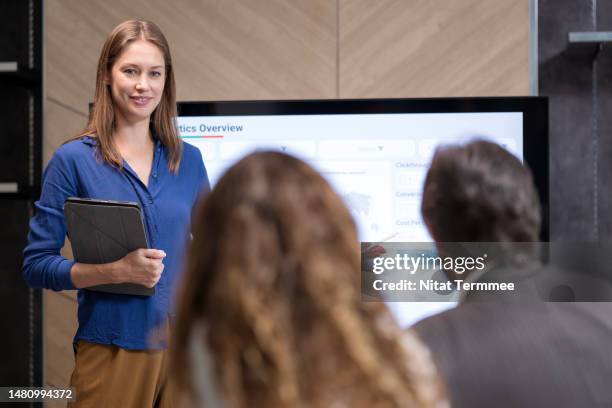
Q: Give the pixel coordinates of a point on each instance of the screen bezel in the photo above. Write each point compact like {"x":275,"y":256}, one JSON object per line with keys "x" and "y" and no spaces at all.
{"x":533,"y":108}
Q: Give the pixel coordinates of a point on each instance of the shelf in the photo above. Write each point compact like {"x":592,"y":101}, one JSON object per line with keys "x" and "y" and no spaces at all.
{"x":586,"y":44}
{"x":9,"y":187}
{"x":8,"y":66}
{"x":18,"y":191}
{"x":11,"y":74}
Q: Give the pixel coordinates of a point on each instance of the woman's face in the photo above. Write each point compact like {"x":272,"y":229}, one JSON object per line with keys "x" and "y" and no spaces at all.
{"x":137,"y":81}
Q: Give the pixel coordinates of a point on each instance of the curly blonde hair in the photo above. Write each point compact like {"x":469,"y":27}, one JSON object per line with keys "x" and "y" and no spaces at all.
{"x":273,"y":271}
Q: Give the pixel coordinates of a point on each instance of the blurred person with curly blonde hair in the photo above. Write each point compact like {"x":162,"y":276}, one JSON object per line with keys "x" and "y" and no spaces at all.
{"x":270,"y":311}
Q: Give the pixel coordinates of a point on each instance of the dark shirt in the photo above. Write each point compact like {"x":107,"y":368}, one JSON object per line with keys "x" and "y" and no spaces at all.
{"x":505,"y":352}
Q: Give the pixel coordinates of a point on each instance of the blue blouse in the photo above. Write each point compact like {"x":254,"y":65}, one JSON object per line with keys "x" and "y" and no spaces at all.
{"x":167,"y":203}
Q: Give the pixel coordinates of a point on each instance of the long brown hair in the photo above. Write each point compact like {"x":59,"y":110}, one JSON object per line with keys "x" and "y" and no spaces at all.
{"x":102,"y":119}
{"x":273,"y":273}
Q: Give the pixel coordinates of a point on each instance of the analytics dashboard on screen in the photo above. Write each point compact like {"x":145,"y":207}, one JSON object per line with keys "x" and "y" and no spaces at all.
{"x":377,"y":163}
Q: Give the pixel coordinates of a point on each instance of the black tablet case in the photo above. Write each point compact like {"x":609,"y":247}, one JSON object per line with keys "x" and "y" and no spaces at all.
{"x":105,"y":231}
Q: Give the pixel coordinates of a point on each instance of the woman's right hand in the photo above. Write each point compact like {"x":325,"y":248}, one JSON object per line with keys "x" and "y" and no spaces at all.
{"x":142,"y":267}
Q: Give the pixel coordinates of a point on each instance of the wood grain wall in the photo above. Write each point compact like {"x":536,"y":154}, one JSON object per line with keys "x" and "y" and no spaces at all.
{"x":283,"y":49}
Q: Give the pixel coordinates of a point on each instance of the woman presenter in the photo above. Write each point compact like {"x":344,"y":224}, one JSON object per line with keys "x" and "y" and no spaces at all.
{"x":129,"y":151}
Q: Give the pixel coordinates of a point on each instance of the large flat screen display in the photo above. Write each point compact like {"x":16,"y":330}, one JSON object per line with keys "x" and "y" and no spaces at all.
{"x":375,"y":153}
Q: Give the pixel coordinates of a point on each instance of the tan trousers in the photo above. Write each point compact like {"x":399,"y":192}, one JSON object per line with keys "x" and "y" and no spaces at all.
{"x":106,"y":376}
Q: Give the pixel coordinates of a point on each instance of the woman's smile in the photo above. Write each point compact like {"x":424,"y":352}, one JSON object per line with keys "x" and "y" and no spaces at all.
{"x":141,"y":101}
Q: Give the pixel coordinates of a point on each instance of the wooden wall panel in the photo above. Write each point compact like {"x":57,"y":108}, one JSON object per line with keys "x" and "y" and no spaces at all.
{"x":423,"y":48}
{"x":274,"y":49}
{"x":62,"y":122}
{"x":60,"y":327}
{"x":234,"y":49}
